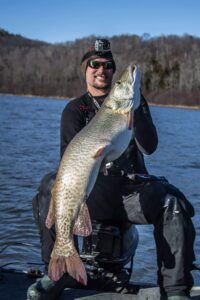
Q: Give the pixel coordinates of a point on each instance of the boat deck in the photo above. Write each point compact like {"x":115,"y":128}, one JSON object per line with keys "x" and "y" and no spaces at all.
{"x":15,"y":285}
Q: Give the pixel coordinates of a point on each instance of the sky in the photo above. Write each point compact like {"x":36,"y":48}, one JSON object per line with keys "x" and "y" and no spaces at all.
{"x":58,"y":21}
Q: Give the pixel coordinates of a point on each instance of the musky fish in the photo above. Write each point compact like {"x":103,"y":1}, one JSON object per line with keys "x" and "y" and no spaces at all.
{"x":103,"y":140}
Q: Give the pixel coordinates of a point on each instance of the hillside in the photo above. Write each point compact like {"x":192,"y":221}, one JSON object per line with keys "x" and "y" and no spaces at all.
{"x":170,"y":66}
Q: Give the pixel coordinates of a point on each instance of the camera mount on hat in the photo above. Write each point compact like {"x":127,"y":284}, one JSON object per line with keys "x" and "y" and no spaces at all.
{"x":102,"y":45}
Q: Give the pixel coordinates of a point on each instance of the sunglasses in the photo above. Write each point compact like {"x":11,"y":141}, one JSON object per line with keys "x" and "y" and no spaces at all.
{"x":95,"y":64}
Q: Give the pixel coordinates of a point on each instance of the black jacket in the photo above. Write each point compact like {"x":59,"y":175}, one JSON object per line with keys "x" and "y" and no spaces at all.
{"x":80,"y":111}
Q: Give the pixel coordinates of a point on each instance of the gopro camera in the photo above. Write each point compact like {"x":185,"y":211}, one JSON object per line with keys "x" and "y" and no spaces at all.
{"x":102,"y":45}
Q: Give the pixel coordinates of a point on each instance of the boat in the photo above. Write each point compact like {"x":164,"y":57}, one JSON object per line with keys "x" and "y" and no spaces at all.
{"x":108,"y":255}
{"x":14,"y":285}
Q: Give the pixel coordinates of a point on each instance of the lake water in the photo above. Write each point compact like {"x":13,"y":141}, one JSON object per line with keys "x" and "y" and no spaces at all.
{"x":29,"y":148}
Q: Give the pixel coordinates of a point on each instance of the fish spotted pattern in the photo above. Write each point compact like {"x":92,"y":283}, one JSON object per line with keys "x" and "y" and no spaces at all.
{"x":103,"y":140}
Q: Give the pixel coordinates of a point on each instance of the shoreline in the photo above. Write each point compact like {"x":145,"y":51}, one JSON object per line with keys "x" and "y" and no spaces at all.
{"x":37,"y":96}
{"x":175,"y":105}
{"x":195,"y":107}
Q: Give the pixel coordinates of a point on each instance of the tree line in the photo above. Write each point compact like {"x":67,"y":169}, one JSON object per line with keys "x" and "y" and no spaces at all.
{"x":170,"y":66}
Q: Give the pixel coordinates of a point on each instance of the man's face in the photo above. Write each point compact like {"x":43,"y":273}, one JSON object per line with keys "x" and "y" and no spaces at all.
{"x":99,"y":78}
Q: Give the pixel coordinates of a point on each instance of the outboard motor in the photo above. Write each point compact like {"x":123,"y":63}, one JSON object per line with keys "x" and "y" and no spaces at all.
{"x":109,"y":250}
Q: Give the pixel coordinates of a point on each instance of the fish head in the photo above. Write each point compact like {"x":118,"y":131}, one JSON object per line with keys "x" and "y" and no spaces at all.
{"x":125,"y":93}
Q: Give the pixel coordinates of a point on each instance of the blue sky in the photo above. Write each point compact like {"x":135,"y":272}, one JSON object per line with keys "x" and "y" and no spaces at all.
{"x":66,"y":20}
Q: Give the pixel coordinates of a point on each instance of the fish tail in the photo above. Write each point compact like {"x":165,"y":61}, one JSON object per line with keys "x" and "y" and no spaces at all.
{"x":72,"y":265}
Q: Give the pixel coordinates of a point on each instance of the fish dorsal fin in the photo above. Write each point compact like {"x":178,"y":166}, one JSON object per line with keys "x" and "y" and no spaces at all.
{"x":83,"y":224}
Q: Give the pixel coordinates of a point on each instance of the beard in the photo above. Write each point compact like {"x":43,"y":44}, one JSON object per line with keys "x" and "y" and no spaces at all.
{"x":104,"y":84}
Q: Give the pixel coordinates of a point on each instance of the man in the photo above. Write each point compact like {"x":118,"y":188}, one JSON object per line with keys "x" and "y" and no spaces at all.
{"x":115,"y":198}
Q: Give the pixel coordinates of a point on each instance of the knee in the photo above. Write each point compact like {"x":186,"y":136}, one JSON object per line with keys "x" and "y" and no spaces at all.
{"x":40,"y":206}
{"x":44,"y":203}
{"x":177,"y":211}
{"x":174,"y":205}
{"x":171,"y":204}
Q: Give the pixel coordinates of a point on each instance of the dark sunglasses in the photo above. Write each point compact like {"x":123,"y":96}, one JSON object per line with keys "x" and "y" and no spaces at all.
{"x":95,"y":64}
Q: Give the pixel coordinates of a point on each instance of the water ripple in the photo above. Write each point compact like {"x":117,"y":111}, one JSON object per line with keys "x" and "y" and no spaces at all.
{"x":29,"y":149}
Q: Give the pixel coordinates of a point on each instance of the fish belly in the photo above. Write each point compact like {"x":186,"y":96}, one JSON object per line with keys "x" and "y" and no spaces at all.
{"x":119,"y":144}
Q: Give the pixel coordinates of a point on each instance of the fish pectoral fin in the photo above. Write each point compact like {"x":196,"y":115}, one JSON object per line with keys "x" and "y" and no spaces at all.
{"x":50,"y":220}
{"x":106,"y":145}
{"x":83,"y":226}
{"x":99,"y":153}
